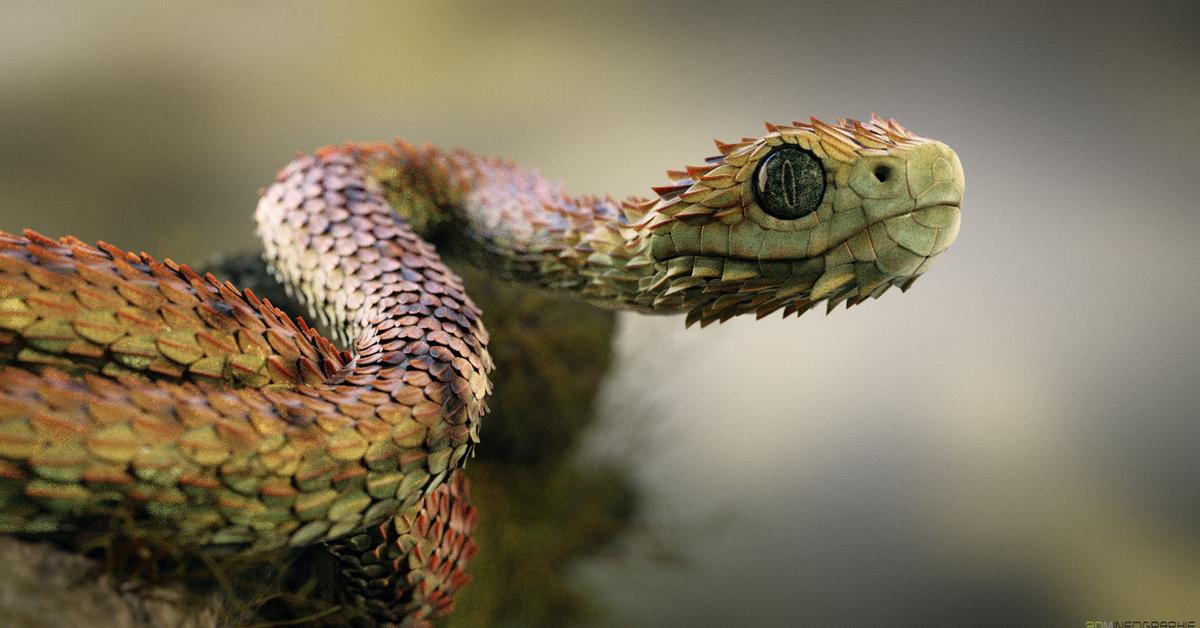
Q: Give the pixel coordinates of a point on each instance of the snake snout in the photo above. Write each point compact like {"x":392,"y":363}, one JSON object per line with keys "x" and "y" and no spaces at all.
{"x":908,"y":244}
{"x":935,"y":176}
{"x":935,"y":184}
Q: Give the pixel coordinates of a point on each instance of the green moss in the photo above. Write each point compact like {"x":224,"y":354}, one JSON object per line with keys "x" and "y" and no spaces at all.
{"x":534,"y":522}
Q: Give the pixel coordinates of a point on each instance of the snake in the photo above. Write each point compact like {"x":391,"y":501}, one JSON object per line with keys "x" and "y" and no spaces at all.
{"x":140,"y":396}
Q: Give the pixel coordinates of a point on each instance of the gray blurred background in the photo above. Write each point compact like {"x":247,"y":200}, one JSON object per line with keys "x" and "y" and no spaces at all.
{"x":1014,"y":442}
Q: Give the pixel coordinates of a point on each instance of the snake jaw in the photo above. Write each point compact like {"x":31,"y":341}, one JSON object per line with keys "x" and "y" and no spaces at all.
{"x":889,"y":209}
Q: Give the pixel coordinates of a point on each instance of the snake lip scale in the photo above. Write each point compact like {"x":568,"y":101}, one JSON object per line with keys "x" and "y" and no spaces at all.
{"x":207,"y":414}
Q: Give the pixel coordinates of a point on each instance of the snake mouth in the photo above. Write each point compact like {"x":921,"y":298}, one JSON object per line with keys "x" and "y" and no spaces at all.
{"x":904,"y":247}
{"x":941,"y":193}
{"x":890,"y":252}
{"x":889,"y":249}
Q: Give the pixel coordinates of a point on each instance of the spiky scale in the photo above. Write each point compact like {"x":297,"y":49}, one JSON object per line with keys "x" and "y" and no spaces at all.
{"x":832,"y":280}
{"x":735,"y":270}
{"x":679,"y":266}
{"x":708,"y":267}
{"x":116,"y":443}
{"x":304,"y":400}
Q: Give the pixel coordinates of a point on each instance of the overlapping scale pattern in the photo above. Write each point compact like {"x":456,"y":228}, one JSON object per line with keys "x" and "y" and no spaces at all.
{"x":207,"y":414}
{"x":189,"y":408}
{"x":407,"y":568}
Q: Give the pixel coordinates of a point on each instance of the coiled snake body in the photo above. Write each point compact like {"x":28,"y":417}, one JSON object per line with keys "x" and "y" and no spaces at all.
{"x":192,"y":408}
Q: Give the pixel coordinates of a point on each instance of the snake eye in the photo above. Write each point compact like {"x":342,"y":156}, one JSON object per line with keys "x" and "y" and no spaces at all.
{"x":789,"y":183}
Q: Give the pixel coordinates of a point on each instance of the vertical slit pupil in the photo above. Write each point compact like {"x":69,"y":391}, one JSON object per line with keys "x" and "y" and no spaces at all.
{"x":788,"y":179}
{"x":789,"y":183}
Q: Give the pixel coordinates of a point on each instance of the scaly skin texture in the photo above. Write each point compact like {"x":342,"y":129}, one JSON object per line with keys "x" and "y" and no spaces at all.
{"x":185,"y":407}
{"x":407,"y":568}
{"x":703,"y":246}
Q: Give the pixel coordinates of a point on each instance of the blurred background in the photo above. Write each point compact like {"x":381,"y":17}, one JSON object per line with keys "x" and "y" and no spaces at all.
{"x":1014,"y":442}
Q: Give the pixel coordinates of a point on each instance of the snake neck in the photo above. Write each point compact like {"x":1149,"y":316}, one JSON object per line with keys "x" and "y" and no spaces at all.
{"x":515,"y":223}
{"x":330,"y":236}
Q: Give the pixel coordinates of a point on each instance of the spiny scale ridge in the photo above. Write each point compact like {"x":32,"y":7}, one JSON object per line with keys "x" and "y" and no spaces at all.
{"x":210,"y":416}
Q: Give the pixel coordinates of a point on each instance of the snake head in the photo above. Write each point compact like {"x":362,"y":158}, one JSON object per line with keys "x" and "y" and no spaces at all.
{"x":809,"y":212}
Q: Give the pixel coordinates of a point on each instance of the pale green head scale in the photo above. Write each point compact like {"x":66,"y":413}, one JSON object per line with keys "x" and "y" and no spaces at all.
{"x":809,"y":212}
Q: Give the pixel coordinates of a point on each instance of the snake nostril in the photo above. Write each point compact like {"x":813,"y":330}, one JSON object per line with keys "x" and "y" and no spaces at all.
{"x":882,"y":173}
